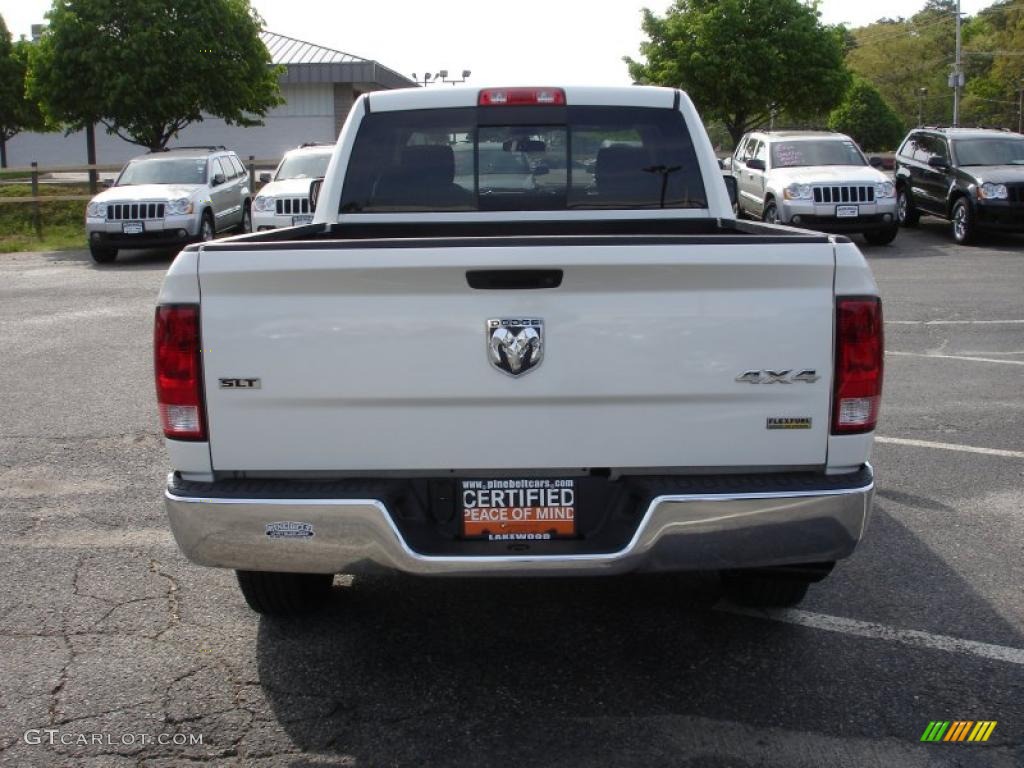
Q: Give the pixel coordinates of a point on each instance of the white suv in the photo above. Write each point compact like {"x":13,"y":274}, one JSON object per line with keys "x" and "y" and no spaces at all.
{"x":168,"y":198}
{"x":284,"y":201}
{"x":815,"y":180}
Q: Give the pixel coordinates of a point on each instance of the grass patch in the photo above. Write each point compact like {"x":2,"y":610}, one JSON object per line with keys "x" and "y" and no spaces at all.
{"x":63,"y":220}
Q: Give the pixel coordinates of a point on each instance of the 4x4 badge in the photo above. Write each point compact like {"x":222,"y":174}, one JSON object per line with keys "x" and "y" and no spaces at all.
{"x":515,"y":345}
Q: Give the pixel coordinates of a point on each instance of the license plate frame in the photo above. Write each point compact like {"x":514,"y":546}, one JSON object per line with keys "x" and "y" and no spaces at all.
{"x":847,"y":211}
{"x":133,"y":228}
{"x":518,"y":509}
{"x":302,"y":218}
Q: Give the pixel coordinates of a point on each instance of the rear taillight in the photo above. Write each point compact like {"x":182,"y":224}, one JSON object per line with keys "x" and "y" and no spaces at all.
{"x":499,"y":97}
{"x":179,"y":371}
{"x":860,"y":352}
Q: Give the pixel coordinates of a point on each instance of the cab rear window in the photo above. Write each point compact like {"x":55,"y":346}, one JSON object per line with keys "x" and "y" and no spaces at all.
{"x":522,"y":158}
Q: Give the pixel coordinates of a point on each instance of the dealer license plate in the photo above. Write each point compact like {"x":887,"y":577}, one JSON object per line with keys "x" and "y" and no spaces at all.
{"x":531,"y":509}
{"x":306,"y":218}
{"x":133,"y":228}
{"x":847,"y":211}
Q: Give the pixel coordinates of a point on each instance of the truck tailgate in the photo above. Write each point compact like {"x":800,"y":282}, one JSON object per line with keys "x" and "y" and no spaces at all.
{"x":374,"y":356}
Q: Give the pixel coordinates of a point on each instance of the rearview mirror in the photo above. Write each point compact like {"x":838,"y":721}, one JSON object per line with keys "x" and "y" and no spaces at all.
{"x":730,"y":186}
{"x":218,"y":179}
{"x":876,"y":162}
{"x":314,"y":193}
{"x":265,"y":178}
{"x":756,"y":163}
{"x":937,"y":162}
{"x":726,"y":163}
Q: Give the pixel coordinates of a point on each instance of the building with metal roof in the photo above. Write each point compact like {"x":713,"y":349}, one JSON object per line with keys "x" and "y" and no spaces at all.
{"x":319,"y":86}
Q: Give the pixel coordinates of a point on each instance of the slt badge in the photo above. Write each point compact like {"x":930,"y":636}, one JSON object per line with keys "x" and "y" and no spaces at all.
{"x":515,"y":345}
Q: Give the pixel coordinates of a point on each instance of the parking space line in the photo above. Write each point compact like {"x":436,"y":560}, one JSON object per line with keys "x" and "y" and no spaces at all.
{"x":950,"y":447}
{"x":955,"y":357}
{"x":954,"y":322}
{"x":912,"y":637}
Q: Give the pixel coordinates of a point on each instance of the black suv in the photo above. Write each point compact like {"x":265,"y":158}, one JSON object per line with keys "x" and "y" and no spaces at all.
{"x":974,"y":177}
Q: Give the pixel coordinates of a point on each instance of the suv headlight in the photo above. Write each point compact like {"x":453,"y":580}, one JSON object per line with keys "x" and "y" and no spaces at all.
{"x":96,"y":210}
{"x":263,"y":204}
{"x":798,"y":192}
{"x":990,"y":191}
{"x":884,"y":189}
{"x":180,"y":207}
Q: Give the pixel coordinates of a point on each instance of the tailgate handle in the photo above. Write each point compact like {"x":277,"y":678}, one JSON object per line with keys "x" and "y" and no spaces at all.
{"x":513,"y":279}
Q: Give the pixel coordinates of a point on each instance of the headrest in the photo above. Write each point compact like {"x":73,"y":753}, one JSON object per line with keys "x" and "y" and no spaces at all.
{"x":433,"y":162}
{"x":620,"y":160}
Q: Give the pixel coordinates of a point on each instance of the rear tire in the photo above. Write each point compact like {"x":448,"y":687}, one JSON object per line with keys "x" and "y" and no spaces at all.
{"x":881,"y":236}
{"x":755,"y":589}
{"x":906,"y":214}
{"x":284,"y":594}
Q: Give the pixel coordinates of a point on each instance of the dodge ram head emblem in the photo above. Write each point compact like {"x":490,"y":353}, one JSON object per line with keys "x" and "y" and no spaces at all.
{"x":515,"y":345}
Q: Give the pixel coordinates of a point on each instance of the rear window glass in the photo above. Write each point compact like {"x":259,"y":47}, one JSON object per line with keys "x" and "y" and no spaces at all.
{"x":503,"y":158}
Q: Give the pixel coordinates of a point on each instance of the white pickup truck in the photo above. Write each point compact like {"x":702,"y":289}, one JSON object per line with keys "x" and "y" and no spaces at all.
{"x":600,"y":372}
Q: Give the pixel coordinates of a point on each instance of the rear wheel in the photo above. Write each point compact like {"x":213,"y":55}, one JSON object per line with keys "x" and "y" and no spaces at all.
{"x":906,"y":214}
{"x":283,"y":594}
{"x":963,"y":222}
{"x":102,"y":255}
{"x":881,"y":236}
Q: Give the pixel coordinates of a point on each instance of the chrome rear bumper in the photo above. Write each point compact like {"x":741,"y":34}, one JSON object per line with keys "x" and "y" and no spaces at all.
{"x":677,"y":532}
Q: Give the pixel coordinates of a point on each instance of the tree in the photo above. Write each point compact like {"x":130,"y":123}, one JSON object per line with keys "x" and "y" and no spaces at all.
{"x":147,"y":68}
{"x":903,"y":56}
{"x":864,"y":115}
{"x":741,"y":60}
{"x":17,"y":113}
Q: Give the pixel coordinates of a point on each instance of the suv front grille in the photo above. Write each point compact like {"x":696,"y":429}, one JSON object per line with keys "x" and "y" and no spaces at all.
{"x":844,"y":194}
{"x":134,"y":211}
{"x":293,"y":205}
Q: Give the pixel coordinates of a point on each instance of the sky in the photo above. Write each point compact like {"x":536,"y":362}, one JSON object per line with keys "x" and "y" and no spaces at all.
{"x":528,"y":42}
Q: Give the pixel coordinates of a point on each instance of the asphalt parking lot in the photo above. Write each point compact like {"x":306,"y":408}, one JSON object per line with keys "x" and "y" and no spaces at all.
{"x":106,"y":630}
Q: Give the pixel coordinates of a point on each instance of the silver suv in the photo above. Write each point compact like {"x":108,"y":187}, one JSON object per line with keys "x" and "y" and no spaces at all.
{"x":816,"y":180}
{"x":284,"y":201}
{"x":168,"y":198}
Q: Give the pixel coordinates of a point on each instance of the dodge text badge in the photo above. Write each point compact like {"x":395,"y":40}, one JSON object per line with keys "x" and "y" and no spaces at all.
{"x":515,"y":345}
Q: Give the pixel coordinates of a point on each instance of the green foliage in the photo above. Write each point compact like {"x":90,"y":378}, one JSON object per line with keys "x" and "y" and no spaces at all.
{"x":63,"y":220}
{"x":17,"y":112}
{"x":739,"y":60}
{"x":864,"y":116}
{"x":148,"y":68}
{"x":900,"y":57}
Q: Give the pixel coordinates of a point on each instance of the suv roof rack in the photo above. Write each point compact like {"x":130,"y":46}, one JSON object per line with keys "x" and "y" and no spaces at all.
{"x":965,"y":128}
{"x":209,"y":147}
{"x":315,"y":144}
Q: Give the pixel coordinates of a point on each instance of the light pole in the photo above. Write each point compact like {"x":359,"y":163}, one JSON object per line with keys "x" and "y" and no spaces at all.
{"x":921,"y":93}
{"x":444,"y":77}
{"x":439,"y":77}
{"x":956,"y":81}
{"x":425,"y":80}
{"x":1020,"y":110}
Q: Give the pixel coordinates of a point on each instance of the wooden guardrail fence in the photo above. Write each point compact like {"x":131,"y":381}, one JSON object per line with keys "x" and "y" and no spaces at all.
{"x":34,"y":171}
